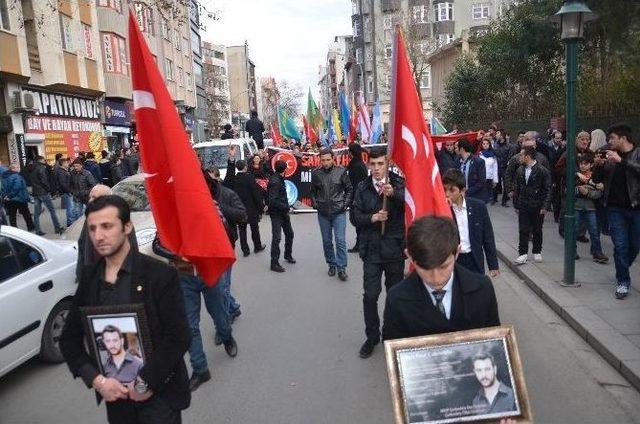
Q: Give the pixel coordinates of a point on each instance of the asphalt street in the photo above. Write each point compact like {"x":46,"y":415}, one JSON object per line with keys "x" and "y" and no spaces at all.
{"x":298,"y":338}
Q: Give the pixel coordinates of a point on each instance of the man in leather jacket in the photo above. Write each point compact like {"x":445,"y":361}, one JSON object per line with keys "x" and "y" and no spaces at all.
{"x":332,"y":193}
{"x":279,"y":209}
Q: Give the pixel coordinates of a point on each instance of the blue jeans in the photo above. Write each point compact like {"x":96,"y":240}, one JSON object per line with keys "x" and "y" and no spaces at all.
{"x":624,"y":225}
{"x":336,"y":224}
{"x":590,"y":220}
{"x":67,"y":202}
{"x":230,"y":304}
{"x":46,"y":199}
{"x":77,"y":210}
{"x":192,"y":288}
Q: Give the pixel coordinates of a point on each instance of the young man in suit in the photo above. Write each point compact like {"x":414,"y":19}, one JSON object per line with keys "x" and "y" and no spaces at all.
{"x":532,"y":200}
{"x":123,"y":276}
{"x":439,"y":296}
{"x":280,"y":220}
{"x":473,"y":170}
{"x":250,"y":193}
{"x":474,"y":226}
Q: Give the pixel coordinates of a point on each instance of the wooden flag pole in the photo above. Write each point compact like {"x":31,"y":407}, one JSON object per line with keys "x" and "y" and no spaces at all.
{"x":385,"y":200}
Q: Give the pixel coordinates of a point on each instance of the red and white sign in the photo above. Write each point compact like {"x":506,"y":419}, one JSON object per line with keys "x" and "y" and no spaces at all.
{"x":289,"y":159}
{"x":67,"y":136}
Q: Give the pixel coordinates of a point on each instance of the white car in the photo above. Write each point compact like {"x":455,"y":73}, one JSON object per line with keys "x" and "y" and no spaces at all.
{"x":215,"y":153}
{"x":37,"y":284}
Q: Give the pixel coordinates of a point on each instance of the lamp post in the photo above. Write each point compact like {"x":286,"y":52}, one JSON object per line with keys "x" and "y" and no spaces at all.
{"x":572,"y":16}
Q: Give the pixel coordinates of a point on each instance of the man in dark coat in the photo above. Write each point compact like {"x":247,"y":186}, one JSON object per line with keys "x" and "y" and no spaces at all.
{"x":244,"y":184}
{"x":357,"y":173}
{"x":380,"y":253}
{"x":447,"y":158}
{"x":440,"y":296}
{"x":91,"y":165}
{"x":255,"y":128}
{"x":82,"y":182}
{"x":124,"y":276}
{"x":228,"y":132}
{"x":63,"y":182}
{"x":279,"y":209}
{"x":474,"y":171}
{"x":41,"y":191}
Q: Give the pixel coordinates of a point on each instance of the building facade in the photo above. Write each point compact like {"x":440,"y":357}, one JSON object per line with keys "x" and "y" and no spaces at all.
{"x":269,"y":100}
{"x":200,"y":127}
{"x":216,"y":83}
{"x":242,"y":83}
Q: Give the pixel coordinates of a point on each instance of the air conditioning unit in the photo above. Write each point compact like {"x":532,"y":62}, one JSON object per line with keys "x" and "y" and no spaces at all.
{"x":22,"y":100}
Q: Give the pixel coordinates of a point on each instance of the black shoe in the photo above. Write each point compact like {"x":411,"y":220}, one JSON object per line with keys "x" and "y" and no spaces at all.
{"x":582,"y":239}
{"x":197,"y":380}
{"x":332,"y":271}
{"x":367,"y":349}
{"x":233,"y":316}
{"x":231,"y":347}
{"x":290,"y":260}
{"x":342,"y":275}
{"x":217,"y":340}
{"x":60,"y":231}
{"x":354,"y":249}
{"x":245,"y":254}
{"x":277,"y":268}
{"x":259,"y":249}
{"x":41,"y":233}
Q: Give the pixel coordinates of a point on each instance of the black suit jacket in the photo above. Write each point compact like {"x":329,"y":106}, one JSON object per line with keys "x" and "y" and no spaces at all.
{"x":477,"y":181}
{"x":410,"y":312}
{"x":251,"y":195}
{"x":480,"y":234}
{"x":165,"y":371}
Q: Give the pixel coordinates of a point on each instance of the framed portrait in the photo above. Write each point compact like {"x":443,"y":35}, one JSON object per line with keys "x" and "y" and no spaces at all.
{"x":464,"y":376}
{"x":118,"y":338}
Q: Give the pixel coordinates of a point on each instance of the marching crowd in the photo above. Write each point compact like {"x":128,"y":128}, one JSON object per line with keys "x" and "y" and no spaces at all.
{"x":448,"y":256}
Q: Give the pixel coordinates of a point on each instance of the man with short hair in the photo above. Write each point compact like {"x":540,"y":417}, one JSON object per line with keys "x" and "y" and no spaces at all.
{"x":255,"y":128}
{"x":474,"y":226}
{"x":622,"y":200}
{"x":123,"y":276}
{"x":92,"y":165}
{"x":528,"y":140}
{"x":331,"y":194}
{"x":439,"y":296}
{"x":121,"y":365}
{"x":41,"y":191}
{"x":15,"y":196}
{"x":381,"y":252}
{"x":82,"y":181}
{"x":357,"y":173}
{"x":474,"y":171}
{"x":532,"y":200}
{"x":63,"y":181}
{"x":447,"y":158}
{"x":278,"y":206}
{"x":244,"y":184}
{"x":494,"y":396}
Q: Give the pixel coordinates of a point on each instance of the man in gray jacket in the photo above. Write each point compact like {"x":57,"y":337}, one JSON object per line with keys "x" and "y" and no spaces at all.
{"x":332,"y":194}
{"x":82,"y":181}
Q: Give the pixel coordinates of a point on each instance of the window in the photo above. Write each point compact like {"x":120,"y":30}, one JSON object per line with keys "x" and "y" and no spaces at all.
{"x":8,"y":262}
{"x":188,"y":82}
{"x":180,"y":76}
{"x":480,"y":11}
{"x":164,"y":29}
{"x":113,"y":4}
{"x":367,"y":25}
{"x":114,"y":54}
{"x":185,"y":46}
{"x":354,"y":7}
{"x":197,"y":73}
{"x":4,"y":15}
{"x":388,"y":22}
{"x":66,"y":32}
{"x":388,"y":51}
{"x":88,"y":44}
{"x":144,"y":14}
{"x":359,"y":56}
{"x":28,"y":257}
{"x":420,"y":14}
{"x":176,"y":40}
{"x":195,"y":43}
{"x":445,"y":39}
{"x":425,"y":79}
{"x":370,"y":85}
{"x":168,"y":69}
{"x":356,"y":28}
{"x":444,"y":12}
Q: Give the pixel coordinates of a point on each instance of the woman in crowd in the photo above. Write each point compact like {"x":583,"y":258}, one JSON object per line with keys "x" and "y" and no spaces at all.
{"x":491,"y":166}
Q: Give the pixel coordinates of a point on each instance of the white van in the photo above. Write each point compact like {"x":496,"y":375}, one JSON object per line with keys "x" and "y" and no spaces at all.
{"x":215,"y":153}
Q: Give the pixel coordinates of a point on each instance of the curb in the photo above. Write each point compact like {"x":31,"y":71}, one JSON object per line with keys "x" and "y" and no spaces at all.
{"x":613,"y":347}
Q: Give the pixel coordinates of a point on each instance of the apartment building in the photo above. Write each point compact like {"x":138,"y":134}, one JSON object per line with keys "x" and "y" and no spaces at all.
{"x":332,"y":74}
{"x":242,"y":83}
{"x":216,"y":84}
{"x":269,"y":96}
{"x":200,"y":127}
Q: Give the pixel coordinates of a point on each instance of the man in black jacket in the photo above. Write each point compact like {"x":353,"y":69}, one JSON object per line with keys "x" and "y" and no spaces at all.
{"x":357,"y":173}
{"x":41,"y":191}
{"x":532,"y":200}
{"x":123,"y":277}
{"x":255,"y":128}
{"x":63,"y":182}
{"x":439,"y":296}
{"x":447,"y":158}
{"x":380,"y":252}
{"x":474,"y":171}
{"x":82,"y":182}
{"x":244,"y":184}
{"x":332,"y":193}
{"x":278,"y":206}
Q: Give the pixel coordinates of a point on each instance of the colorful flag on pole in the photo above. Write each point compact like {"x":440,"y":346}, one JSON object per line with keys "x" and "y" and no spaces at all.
{"x":288,"y":128}
{"x":336,"y":126}
{"x":364,"y":121}
{"x":183,"y":210}
{"x":345,"y":114}
{"x":412,"y":149}
{"x":376,"y":125}
{"x":313,"y":113}
{"x":275,"y":135}
{"x":436,"y":126}
{"x":309,"y":132}
{"x":353,"y":124}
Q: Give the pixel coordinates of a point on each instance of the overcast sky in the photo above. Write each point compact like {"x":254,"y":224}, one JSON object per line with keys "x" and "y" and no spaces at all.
{"x":288,"y":39}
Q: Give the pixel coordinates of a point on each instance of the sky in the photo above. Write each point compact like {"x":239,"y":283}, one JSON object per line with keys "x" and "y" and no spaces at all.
{"x":288,"y":39}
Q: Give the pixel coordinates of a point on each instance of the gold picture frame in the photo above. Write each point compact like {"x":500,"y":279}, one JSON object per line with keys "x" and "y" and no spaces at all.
{"x":450,"y":377}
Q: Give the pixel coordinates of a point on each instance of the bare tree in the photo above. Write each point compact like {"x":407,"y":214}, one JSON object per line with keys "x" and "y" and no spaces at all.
{"x":290,"y":97}
{"x":218,"y":106}
{"x":270,"y":99}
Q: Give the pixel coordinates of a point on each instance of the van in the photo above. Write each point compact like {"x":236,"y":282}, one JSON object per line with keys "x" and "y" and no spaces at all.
{"x":215,"y":152}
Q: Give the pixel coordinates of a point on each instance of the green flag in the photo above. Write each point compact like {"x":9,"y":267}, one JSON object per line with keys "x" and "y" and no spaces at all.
{"x":313,"y":114}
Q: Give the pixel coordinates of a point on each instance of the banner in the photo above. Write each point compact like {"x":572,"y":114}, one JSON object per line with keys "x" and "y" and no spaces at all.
{"x":67,"y":136}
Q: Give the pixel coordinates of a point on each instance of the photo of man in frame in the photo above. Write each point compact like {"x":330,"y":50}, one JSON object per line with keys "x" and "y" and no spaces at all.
{"x":494,"y":396}
{"x":119,"y":350}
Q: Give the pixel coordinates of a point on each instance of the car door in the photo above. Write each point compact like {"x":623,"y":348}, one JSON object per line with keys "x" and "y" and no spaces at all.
{"x":25,"y":280}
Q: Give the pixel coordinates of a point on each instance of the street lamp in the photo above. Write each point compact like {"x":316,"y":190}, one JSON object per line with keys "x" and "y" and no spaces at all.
{"x":572,"y":16}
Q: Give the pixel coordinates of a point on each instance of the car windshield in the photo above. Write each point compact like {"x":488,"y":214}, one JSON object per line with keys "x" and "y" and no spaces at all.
{"x":135,"y":193}
{"x":213,"y":156}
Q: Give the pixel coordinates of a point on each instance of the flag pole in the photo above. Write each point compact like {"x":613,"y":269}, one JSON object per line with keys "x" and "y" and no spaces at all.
{"x":385,"y":199}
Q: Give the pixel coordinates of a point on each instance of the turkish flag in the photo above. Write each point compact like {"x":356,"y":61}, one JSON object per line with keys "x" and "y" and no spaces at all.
{"x":185,"y":215}
{"x":412,"y":149}
{"x":275,"y":135}
{"x":309,"y":131}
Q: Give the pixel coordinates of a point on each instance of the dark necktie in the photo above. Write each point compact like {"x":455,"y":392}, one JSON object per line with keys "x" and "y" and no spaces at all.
{"x":439,"y":295}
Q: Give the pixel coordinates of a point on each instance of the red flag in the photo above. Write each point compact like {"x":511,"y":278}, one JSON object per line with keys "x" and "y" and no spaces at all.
{"x":184,"y":212}
{"x":412,"y":148}
{"x":275,"y":135}
{"x":353,"y":125}
{"x":309,"y":131}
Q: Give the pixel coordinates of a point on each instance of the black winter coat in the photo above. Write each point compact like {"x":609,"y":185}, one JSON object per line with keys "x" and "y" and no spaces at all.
{"x":373,"y":246}
{"x":232,"y":208}
{"x":331,"y":190}
{"x":92,"y":166}
{"x":154,"y":284}
{"x":255,"y":128}
{"x":358,"y":172}
{"x":277,"y":196}
{"x":63,"y":180}
{"x":534,"y":194}
{"x":250,"y":193}
{"x":446,"y":160}
{"x":81,"y":184}
{"x":409,"y":311}
{"x":39,"y":177}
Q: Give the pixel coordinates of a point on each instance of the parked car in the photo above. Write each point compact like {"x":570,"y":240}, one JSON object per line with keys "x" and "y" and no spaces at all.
{"x":215,"y":152}
{"x":37,"y":284}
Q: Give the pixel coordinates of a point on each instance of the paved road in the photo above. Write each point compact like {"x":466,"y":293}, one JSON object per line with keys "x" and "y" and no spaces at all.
{"x":298,"y":340}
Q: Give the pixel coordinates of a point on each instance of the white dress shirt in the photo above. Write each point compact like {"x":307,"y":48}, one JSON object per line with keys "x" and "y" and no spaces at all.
{"x":448,"y":296}
{"x":527,"y":172}
{"x":463,"y":226}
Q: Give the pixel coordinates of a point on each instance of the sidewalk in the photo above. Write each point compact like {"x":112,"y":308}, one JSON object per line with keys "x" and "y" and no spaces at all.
{"x":610,"y":326}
